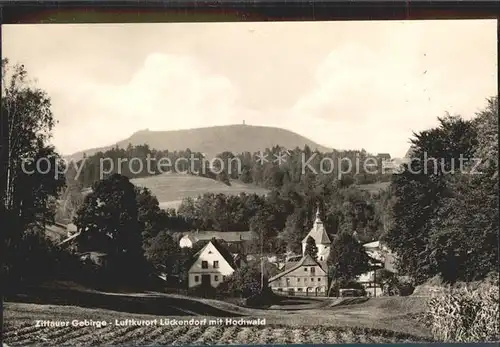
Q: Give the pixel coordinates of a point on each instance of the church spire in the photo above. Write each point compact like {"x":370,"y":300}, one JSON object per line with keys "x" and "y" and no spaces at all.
{"x":318,"y":218}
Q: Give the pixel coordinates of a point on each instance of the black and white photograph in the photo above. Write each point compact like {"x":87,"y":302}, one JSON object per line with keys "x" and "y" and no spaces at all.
{"x":250,"y":183}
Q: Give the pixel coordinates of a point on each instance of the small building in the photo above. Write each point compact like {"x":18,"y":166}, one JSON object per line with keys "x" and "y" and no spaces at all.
{"x":306,"y":277}
{"x":71,"y":229}
{"x":211,"y":265}
{"x":187,"y":241}
{"x":319,"y":235}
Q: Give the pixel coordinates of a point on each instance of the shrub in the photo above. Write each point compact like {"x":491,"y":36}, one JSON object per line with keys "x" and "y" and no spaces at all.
{"x":264,"y":298}
{"x":463,"y":314}
{"x":203,"y":291}
{"x":405,"y":288}
{"x":243,"y":283}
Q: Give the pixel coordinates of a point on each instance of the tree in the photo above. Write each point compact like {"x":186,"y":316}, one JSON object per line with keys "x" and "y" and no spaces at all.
{"x":348,"y":259}
{"x":151,"y":218}
{"x":444,"y":219}
{"x":30,"y":189}
{"x":111,"y":210}
{"x":294,"y":231}
{"x":243,"y":282}
{"x":162,"y":250}
{"x":311,"y":248}
{"x":30,"y":123}
{"x":27,"y":123}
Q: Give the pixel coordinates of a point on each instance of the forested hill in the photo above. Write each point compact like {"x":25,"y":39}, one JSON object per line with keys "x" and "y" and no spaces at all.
{"x":213,"y":140}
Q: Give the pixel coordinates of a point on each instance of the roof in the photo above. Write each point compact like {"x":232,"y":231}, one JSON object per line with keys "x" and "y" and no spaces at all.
{"x":384,"y":155}
{"x":374,"y":244}
{"x":228,"y":236}
{"x":69,"y":239}
{"x":307,"y":260}
{"x":221,"y":249}
{"x":190,"y":238}
{"x":318,"y":232}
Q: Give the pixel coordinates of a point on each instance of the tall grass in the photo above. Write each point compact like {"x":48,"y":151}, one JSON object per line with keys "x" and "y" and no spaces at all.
{"x":466,"y":313}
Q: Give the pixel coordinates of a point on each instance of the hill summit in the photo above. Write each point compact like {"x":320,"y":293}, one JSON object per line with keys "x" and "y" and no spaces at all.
{"x":213,"y":140}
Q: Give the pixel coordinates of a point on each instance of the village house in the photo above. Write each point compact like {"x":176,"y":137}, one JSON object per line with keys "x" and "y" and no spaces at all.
{"x":320,"y":237}
{"x":305,"y":277}
{"x":212,"y":264}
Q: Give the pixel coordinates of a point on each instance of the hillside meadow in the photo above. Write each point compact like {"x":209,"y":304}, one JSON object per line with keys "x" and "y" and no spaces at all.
{"x":171,"y":188}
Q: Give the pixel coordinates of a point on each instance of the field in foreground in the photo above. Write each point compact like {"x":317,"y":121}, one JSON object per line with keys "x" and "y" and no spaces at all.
{"x":339,"y":324}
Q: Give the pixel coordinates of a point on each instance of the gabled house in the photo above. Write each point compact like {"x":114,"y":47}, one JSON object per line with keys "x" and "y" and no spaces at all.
{"x":306,"y":277}
{"x":319,"y":235}
{"x":212,"y":264}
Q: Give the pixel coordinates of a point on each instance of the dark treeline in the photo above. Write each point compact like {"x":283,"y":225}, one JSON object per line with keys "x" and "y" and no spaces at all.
{"x":286,"y":216}
{"x":262,"y":169}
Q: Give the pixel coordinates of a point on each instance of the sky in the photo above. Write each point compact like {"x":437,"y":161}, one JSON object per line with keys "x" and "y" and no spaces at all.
{"x":344,"y":85}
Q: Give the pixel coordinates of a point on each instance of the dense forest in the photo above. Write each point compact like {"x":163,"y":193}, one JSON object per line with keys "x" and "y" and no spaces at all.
{"x":262,"y":169}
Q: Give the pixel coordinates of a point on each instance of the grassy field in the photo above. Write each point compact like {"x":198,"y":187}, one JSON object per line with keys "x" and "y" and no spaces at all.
{"x":327,"y":320}
{"x":170,"y":188}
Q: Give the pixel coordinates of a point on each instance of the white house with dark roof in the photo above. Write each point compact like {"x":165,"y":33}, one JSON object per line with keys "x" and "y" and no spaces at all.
{"x":211,"y":265}
{"x":319,"y":235}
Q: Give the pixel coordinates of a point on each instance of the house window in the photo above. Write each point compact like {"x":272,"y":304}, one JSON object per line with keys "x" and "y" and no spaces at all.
{"x":305,"y":279}
{"x":312,"y":270}
{"x":204,"y":264}
{"x":216,"y":264}
{"x":223,"y":278}
{"x":312,"y":279}
{"x":280,"y":289}
{"x":298,"y":279}
{"x":305,"y":269}
{"x":300,"y":289}
{"x":196,"y":278}
{"x":216,"y":278}
{"x":319,"y":279}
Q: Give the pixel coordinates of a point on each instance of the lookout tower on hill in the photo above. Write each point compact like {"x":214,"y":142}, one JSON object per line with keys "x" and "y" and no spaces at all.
{"x":318,"y":233}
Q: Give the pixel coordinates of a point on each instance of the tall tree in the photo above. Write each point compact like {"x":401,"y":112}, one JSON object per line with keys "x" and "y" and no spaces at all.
{"x":111,"y":210}
{"x":34,"y":169}
{"x":311,"y":248}
{"x":347,"y":260}
{"x":420,"y":191}
{"x":27,"y":190}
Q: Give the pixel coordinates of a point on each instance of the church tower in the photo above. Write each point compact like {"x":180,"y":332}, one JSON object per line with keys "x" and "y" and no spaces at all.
{"x":319,"y":235}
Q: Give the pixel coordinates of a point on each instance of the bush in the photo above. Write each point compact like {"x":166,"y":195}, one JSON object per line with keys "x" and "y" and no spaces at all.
{"x":405,"y":288}
{"x":203,"y":291}
{"x":35,"y":259}
{"x":262,"y":299}
{"x":243,"y":283}
{"x":463,"y":314}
